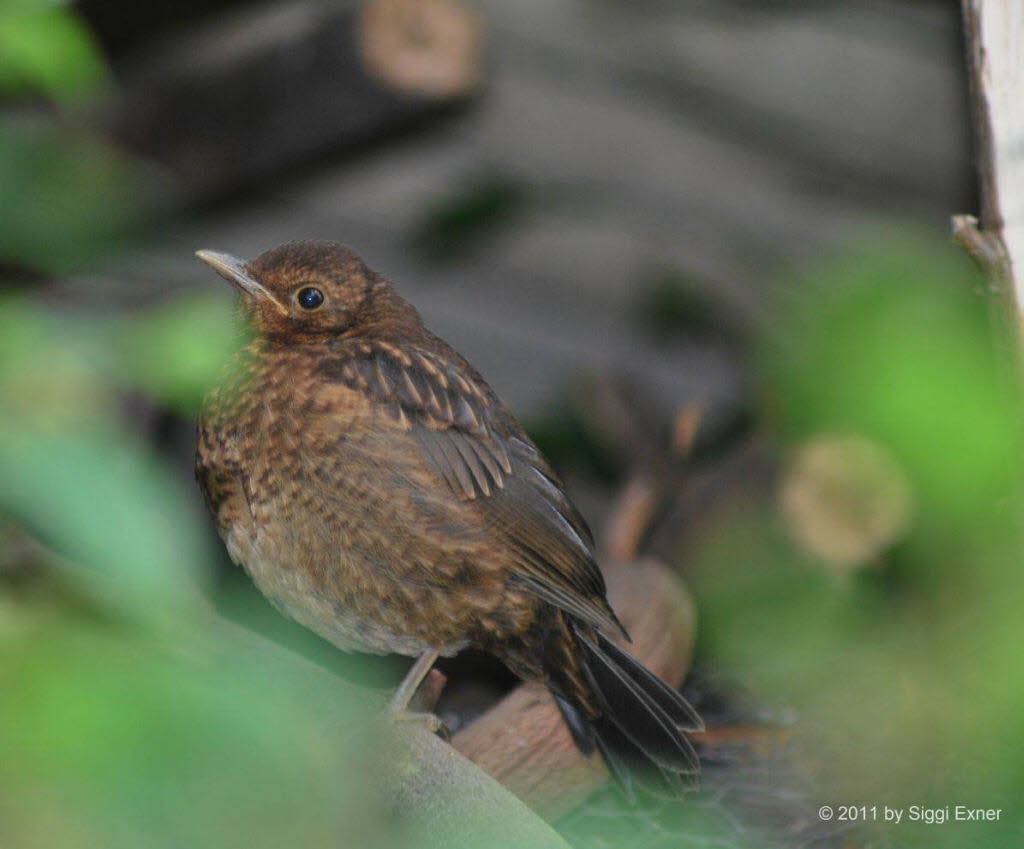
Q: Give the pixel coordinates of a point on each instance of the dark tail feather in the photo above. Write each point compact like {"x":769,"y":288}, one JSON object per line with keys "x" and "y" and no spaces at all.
{"x":643,"y":719}
{"x":614,"y":746}
{"x":591,"y":734}
{"x":679,"y":710}
{"x":632,"y":769}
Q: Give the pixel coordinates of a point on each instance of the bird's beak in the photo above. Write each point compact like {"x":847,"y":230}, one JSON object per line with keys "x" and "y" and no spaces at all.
{"x":233,"y":270}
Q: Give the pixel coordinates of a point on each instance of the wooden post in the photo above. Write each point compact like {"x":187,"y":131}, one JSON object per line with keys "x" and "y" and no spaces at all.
{"x":994,"y":34}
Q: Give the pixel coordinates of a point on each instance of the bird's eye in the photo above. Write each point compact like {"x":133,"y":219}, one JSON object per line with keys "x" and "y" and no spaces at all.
{"x":310,"y":298}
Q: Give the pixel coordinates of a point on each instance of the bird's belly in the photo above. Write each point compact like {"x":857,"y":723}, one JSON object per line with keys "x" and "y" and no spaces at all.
{"x":328,"y":614}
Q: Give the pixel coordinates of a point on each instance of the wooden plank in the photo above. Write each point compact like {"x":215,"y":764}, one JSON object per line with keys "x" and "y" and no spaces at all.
{"x":844,"y":91}
{"x":995,"y":52}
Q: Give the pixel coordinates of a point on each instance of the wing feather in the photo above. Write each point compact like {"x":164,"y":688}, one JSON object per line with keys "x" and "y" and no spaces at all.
{"x":479,"y":451}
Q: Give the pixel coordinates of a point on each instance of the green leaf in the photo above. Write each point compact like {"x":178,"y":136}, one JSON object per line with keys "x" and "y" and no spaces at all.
{"x":176,"y":352}
{"x":63,"y":195}
{"x":46,"y":47}
{"x":101,"y":502}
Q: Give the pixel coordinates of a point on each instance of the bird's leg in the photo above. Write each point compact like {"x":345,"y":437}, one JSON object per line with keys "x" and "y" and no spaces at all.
{"x":413,"y":678}
{"x":399,"y":707}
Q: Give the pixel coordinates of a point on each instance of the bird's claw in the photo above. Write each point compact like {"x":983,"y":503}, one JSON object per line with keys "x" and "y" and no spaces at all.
{"x":430,"y":721}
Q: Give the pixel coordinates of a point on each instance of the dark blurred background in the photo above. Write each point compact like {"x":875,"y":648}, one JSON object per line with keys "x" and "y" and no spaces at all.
{"x":619,"y":212}
{"x":596,"y":163}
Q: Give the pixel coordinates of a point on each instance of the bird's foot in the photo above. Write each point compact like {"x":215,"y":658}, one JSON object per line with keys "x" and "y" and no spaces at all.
{"x":430,"y":721}
{"x":416,"y":696}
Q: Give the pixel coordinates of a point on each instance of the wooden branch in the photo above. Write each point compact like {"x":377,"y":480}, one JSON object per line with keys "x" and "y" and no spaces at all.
{"x":994,"y":34}
{"x":654,"y":479}
{"x":522,"y":741}
{"x":631,"y":518}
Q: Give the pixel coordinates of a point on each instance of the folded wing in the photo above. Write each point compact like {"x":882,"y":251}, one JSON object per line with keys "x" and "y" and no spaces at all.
{"x":472,"y":443}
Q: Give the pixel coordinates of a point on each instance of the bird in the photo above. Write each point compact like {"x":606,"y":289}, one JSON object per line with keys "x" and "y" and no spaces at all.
{"x":378,"y":492}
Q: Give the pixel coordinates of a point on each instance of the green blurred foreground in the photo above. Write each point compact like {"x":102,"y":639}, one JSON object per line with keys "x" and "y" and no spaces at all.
{"x":904,"y":661}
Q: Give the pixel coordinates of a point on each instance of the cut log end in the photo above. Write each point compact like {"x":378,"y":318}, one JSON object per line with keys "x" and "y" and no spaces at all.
{"x":424,"y":48}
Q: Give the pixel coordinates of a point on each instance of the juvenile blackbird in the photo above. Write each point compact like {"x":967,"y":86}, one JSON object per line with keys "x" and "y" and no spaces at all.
{"x":377,"y":491}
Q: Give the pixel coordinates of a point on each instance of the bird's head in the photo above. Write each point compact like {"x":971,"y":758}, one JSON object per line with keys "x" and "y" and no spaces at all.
{"x":309,"y":290}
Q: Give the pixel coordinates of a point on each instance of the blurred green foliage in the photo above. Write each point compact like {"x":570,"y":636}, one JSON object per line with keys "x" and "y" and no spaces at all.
{"x":65,"y":192}
{"x":895,"y":346}
{"x":174,"y":352}
{"x":906,"y":671}
{"x":114,"y":739}
{"x":45,"y":47}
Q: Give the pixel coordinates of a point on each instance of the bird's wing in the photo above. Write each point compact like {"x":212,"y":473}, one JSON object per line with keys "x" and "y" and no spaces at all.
{"x":481,"y":455}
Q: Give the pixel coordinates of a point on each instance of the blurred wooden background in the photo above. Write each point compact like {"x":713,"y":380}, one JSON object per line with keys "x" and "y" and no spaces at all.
{"x":614,"y":150}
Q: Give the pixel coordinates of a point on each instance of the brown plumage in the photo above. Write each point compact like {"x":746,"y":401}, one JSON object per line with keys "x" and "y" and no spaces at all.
{"x":378,"y":492}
